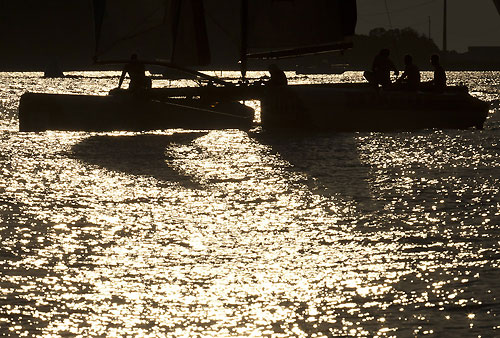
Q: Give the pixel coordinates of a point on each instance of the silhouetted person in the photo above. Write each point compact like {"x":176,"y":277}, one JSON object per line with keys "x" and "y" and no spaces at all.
{"x":137,"y":72}
{"x":410,"y":79}
{"x":278,"y":77}
{"x":381,"y":70}
{"x":439,"y":81}
{"x":438,"y":84}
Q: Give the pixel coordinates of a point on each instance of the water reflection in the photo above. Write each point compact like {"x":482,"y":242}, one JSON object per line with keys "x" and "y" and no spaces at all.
{"x":222,"y":233}
{"x":329,"y":161}
{"x":136,"y":154}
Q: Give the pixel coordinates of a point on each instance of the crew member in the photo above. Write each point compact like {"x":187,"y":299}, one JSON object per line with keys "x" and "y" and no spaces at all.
{"x":381,"y":70}
{"x":138,"y":79}
{"x":278,"y":77}
{"x":410,"y":79}
{"x":438,"y":84}
{"x":439,"y":81}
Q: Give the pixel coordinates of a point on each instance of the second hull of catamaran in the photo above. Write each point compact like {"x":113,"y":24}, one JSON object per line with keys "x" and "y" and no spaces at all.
{"x":127,"y":112}
{"x":359,"y":107}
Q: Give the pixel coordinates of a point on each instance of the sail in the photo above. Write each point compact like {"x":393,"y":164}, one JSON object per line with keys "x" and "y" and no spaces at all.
{"x":497,"y":3}
{"x":169,"y":30}
{"x":280,"y":28}
{"x":189,"y":33}
{"x":125,"y":27}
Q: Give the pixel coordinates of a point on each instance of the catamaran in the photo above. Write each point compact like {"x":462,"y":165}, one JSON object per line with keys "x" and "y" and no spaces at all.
{"x":261,"y":29}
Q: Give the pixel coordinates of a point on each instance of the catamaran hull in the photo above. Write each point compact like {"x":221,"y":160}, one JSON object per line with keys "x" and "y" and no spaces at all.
{"x":39,"y":112}
{"x":356,"y":108}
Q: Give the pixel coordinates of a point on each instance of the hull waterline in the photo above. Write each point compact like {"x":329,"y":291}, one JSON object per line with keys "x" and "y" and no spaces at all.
{"x":332,"y":107}
{"x":362,"y":108}
{"x":39,"y":112}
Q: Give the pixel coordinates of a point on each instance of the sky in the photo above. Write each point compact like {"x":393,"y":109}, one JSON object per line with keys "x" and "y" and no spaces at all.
{"x":36,"y":31}
{"x":470,"y":22}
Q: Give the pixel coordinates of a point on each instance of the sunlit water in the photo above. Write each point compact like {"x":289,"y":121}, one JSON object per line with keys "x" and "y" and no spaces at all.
{"x":228,"y":233}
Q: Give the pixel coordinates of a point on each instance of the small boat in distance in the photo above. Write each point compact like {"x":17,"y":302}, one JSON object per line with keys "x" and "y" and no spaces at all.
{"x":265,"y":29}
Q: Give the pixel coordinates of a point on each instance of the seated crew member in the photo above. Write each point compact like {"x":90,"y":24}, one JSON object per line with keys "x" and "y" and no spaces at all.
{"x":410,"y":79}
{"x":278,"y":77}
{"x":381,"y":70}
{"x":138,"y":79}
{"x":439,"y":80}
{"x":438,"y":84}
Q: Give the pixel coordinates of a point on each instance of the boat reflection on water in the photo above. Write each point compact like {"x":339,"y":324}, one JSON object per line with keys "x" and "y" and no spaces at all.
{"x":142,"y":154}
{"x":229,"y":233}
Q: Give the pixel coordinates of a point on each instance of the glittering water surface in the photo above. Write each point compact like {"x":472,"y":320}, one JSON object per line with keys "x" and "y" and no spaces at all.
{"x":227,"y":233}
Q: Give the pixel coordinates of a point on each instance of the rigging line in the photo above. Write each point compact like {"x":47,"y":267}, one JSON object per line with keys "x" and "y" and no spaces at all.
{"x":396,"y":47}
{"x":203,"y":109}
{"x":132,"y":35}
{"x":127,"y":38}
{"x":388,"y":14}
{"x":232,"y":37}
{"x":401,"y":9}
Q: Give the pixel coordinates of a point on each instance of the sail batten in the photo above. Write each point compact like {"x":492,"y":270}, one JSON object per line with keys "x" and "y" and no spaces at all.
{"x":287,"y":53}
{"x":282,"y":28}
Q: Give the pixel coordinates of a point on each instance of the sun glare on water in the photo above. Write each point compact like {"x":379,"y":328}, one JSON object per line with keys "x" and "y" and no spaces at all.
{"x":233,"y":234}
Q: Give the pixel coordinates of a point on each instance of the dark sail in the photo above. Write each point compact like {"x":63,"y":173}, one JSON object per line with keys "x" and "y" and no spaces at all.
{"x":281,"y":28}
{"x":189,"y":33}
{"x":497,"y":3}
{"x":169,"y":30}
{"x":99,"y":10}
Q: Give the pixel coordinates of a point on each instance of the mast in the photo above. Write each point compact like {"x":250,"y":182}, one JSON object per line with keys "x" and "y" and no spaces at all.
{"x":244,"y":39}
{"x":445,"y":17}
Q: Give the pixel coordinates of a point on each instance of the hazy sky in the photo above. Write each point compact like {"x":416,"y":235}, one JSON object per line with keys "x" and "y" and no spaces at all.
{"x":35,"y":31}
{"x":470,"y":22}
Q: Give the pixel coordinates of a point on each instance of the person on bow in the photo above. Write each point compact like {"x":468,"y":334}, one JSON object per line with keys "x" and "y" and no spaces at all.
{"x":137,"y":73}
{"x":380,"y":75}
{"x":278,"y":77}
{"x":410,"y":79}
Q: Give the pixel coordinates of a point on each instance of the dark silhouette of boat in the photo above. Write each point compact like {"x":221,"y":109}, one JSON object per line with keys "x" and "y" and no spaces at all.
{"x":265,"y":29}
{"x":122,"y":111}
{"x":358,"y":107}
